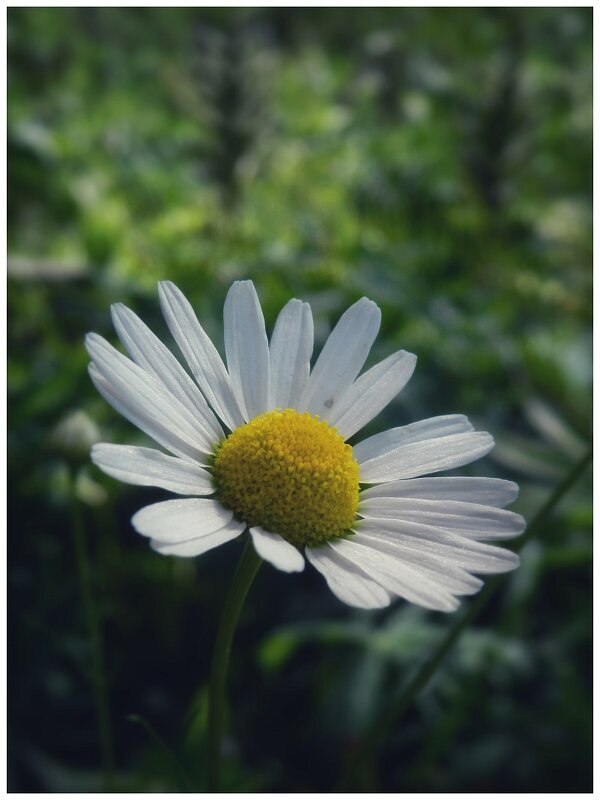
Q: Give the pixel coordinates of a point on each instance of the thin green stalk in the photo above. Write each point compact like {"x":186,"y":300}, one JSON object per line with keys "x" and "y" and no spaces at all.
{"x":92,"y":624}
{"x":179,"y":772}
{"x":242,"y":580}
{"x":380,"y":730}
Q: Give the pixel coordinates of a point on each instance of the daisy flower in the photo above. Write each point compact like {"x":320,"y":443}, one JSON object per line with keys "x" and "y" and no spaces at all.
{"x":261,"y":444}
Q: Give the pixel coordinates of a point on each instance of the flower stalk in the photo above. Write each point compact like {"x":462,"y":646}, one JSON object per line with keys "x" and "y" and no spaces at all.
{"x":242,"y":580}
{"x":94,"y":635}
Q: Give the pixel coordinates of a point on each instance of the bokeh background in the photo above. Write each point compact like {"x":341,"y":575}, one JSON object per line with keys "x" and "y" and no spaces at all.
{"x":435,"y":160}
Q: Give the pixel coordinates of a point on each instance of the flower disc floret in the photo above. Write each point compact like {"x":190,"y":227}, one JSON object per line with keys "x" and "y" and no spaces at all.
{"x":291,"y":474}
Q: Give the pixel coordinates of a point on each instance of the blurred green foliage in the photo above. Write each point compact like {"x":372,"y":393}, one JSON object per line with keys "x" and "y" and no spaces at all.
{"x":436,"y":160}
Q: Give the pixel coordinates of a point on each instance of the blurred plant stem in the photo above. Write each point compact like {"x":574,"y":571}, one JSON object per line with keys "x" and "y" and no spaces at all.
{"x":242,"y":580}
{"x":94,"y":635}
{"x":364,"y":756}
{"x":179,"y":771}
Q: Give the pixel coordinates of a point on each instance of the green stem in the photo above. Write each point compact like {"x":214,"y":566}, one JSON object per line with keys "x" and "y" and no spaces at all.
{"x":179,"y":772}
{"x":425,"y":672}
{"x":92,"y":624}
{"x":242,"y":580}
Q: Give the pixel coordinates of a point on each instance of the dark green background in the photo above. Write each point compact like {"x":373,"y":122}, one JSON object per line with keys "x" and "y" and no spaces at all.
{"x":437,"y":161}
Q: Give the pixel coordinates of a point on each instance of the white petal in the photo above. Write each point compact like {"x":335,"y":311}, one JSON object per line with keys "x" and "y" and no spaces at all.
{"x":247,"y":348}
{"x":397,"y":577}
{"x":452,"y":578}
{"x":139,"y":417}
{"x":421,"y":431}
{"x":179,"y":520}
{"x":277,"y":551}
{"x":485,"y":491}
{"x":144,"y":466}
{"x":290,"y":351}
{"x":421,"y":458}
{"x":346,"y":581}
{"x":200,"y":353}
{"x":141,"y":399}
{"x":371,"y":393}
{"x":341,"y":359}
{"x":196,"y":547}
{"x":469,"y":519}
{"x":151,"y":354}
{"x":470,"y":555}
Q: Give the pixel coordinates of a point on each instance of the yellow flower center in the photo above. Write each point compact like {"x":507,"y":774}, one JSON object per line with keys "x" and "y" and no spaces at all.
{"x":290,"y":473}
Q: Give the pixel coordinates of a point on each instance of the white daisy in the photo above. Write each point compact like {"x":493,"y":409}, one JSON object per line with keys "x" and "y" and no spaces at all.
{"x":261,"y":444}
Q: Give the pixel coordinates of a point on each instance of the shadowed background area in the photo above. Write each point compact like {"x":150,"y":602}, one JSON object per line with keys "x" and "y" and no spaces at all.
{"x":437,"y":161}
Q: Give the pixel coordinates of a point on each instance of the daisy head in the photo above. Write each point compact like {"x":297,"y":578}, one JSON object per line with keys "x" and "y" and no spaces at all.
{"x":260,"y":444}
